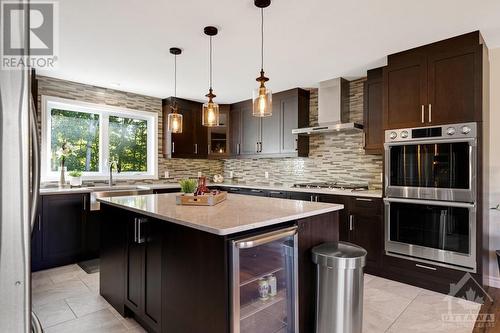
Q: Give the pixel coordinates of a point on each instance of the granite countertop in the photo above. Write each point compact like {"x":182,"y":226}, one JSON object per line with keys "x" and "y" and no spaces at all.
{"x":157,"y":186}
{"x":237,"y":213}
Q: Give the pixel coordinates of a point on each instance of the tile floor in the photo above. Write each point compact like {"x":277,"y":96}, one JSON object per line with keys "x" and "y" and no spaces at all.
{"x":66,"y":299}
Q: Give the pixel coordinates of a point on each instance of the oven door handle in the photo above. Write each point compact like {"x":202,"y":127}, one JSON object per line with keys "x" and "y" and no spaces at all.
{"x":432,"y":202}
{"x":471,"y":141}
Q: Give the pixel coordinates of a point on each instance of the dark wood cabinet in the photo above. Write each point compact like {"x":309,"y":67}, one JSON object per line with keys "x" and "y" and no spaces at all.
{"x":452,"y":86}
{"x":167,"y":190}
{"x":58,"y":235}
{"x":405,"y":92}
{"x":254,"y":137}
{"x":249,"y":130}
{"x":193,"y":141}
{"x":143,"y":267}
{"x":366,"y":225}
{"x":373,"y":112}
{"x":438,"y":83}
{"x":361,"y":223}
{"x":219,"y":139}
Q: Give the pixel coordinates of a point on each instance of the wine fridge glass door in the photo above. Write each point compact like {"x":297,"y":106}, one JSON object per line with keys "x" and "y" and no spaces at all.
{"x":264,"y":283}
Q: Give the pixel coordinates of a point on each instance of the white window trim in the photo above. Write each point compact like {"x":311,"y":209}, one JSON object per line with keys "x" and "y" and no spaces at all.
{"x":104,"y":111}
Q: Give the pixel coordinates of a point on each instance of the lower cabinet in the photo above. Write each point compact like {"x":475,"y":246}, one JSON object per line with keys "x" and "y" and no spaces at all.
{"x":143,"y":267}
{"x":58,"y":235}
{"x":361,"y":222}
{"x":367,"y":229}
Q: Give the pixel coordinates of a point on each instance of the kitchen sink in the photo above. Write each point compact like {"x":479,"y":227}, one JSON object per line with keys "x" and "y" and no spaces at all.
{"x":115,"y":191}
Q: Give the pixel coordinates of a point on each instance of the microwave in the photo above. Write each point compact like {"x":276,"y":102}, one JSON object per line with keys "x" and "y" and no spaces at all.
{"x":432,"y":163}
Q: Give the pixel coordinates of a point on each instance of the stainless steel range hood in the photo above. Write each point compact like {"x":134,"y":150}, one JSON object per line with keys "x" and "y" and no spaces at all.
{"x":333,"y":109}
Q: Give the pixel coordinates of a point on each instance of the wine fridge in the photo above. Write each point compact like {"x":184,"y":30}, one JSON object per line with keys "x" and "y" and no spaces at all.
{"x":264,"y":283}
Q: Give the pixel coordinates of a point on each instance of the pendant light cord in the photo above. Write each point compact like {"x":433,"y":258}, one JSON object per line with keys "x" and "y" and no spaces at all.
{"x":262,"y":39}
{"x":175,"y":76}
{"x":210,"y":62}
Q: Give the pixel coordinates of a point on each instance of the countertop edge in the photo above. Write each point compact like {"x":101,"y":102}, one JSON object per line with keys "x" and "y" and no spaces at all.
{"x":227,"y":231}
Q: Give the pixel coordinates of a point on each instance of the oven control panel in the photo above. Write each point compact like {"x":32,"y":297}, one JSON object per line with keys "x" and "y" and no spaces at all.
{"x":441,"y":132}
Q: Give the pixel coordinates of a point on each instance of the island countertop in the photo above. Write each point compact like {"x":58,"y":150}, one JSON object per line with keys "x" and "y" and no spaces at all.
{"x":237,"y":213}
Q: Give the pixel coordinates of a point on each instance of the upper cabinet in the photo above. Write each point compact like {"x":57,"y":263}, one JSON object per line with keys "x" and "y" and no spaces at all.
{"x":193,"y":141}
{"x":272,"y":136}
{"x":219,"y":141}
{"x":372,"y":112}
{"x":438,"y":83}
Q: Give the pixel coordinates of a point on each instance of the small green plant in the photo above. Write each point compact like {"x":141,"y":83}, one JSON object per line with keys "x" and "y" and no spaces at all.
{"x":188,"y":185}
{"x":75,"y":173}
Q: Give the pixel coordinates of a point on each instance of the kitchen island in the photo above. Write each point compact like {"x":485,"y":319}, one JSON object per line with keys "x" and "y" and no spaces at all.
{"x":242,"y":265}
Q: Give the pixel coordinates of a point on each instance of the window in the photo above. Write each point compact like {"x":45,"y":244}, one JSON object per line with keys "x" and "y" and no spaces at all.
{"x":95,"y":135}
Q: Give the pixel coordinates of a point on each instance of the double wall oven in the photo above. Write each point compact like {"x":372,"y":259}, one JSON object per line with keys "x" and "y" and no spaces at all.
{"x":430,"y":194}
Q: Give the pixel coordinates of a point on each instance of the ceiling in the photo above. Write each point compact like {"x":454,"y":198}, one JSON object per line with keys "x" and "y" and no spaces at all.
{"x":123,"y":44}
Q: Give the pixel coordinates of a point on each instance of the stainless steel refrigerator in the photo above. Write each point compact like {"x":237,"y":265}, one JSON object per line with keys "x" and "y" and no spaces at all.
{"x":19,"y":190}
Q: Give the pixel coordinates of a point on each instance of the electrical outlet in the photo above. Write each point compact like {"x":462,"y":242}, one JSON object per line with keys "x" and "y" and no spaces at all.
{"x":266,"y":174}
{"x":199,"y":174}
{"x":231,"y":174}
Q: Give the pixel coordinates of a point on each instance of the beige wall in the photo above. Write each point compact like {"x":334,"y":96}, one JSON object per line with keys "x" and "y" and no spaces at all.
{"x":494,"y":155}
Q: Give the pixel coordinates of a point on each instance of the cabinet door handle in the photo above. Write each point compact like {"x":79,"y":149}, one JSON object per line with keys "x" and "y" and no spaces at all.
{"x":351,"y":222}
{"x":423,"y":114}
{"x":256,"y":191}
{"x":196,"y":148}
{"x":173,"y":147}
{"x":260,"y":147}
{"x":140,"y":238}
{"x":238,"y":149}
{"x":312,"y":198}
{"x":84,"y":202}
{"x":39,"y":223}
{"x":256,"y":147}
{"x":208,"y":148}
{"x":316,"y":198}
{"x":296,"y":144}
{"x":430,"y":113}
{"x":135,"y":229}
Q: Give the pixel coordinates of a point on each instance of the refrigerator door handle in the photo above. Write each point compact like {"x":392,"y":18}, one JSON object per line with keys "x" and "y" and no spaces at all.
{"x":35,"y":152}
{"x":250,"y":242}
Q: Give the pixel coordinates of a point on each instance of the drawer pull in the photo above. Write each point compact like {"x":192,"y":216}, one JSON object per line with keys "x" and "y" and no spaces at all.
{"x":364,"y":199}
{"x":426,"y":267}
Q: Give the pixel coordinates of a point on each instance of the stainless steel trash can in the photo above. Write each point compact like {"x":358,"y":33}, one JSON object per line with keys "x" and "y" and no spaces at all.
{"x":339,"y":289}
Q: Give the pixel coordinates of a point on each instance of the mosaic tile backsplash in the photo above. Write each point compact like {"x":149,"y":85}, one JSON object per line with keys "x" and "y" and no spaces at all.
{"x":332,"y":157}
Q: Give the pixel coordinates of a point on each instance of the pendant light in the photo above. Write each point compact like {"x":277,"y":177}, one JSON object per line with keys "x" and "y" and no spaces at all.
{"x":210,"y":110}
{"x":174,"y":120}
{"x":262,"y":97}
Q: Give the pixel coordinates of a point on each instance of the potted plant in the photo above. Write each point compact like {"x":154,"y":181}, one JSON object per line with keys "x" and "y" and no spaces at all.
{"x":76,"y":178}
{"x":188,"y":186}
{"x":62,"y":153}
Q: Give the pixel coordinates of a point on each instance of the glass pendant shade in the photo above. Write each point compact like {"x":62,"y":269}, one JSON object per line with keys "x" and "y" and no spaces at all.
{"x":174,"y":122}
{"x":262,"y":102}
{"x":210,"y":115}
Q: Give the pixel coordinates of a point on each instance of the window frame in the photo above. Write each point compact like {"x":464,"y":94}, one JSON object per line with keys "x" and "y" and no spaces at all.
{"x":104,"y":111}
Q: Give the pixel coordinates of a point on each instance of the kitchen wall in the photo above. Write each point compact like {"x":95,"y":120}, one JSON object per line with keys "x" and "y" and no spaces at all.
{"x":178,"y":168}
{"x":332,"y":156}
{"x":494,"y":165}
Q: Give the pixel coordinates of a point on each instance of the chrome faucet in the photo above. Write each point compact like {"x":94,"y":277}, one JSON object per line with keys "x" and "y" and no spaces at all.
{"x":112,"y":164}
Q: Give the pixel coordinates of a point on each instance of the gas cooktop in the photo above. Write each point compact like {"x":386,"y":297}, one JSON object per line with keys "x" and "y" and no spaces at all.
{"x":333,"y":186}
